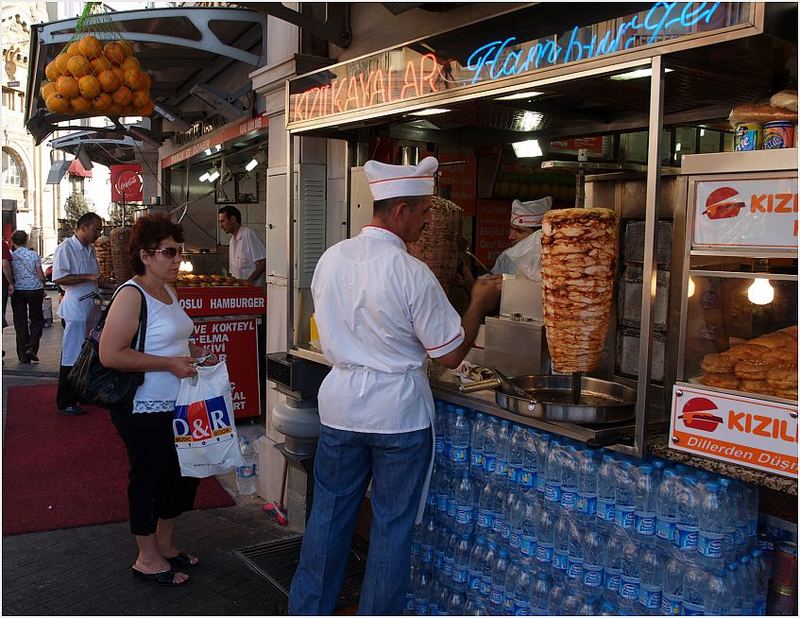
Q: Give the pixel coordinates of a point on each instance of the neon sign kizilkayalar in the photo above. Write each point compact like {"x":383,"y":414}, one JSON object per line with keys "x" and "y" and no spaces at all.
{"x":404,"y":74}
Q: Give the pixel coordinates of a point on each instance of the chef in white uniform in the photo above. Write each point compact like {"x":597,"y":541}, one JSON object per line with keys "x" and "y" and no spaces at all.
{"x":381,"y":314}
{"x":525,"y":253}
{"x":76,"y":270}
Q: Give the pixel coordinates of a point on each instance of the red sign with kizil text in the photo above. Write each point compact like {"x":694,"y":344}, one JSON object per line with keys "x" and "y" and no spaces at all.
{"x":491,"y":233}
{"x":235,"y":340}
{"x":126,"y":183}
{"x":755,"y":433}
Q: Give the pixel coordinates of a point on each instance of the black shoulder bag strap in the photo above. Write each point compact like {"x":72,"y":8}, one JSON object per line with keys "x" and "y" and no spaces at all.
{"x":142,"y":330}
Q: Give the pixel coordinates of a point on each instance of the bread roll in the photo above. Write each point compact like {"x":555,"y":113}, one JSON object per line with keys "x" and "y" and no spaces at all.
{"x":786,"y":99}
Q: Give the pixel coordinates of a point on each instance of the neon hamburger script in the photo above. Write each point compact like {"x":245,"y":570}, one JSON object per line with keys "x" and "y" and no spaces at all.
{"x":404,"y":74}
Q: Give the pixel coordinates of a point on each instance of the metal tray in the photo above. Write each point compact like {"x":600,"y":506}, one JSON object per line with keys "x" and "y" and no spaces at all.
{"x":550,"y":398}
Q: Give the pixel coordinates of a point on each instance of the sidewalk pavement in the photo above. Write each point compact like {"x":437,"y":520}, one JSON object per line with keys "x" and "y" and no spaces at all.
{"x":86,"y":571}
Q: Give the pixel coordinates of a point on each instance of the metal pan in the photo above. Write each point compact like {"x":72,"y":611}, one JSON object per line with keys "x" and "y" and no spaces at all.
{"x":550,"y":398}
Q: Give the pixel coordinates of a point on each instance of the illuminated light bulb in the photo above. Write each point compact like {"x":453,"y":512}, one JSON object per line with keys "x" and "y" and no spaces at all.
{"x":760,"y":292}
{"x":691,"y":288}
{"x":186,"y":266}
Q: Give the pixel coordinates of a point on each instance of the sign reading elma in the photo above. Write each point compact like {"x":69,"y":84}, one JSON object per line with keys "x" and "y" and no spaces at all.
{"x":750,"y":432}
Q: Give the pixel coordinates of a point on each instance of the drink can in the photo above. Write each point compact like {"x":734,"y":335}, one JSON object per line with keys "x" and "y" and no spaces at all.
{"x":785,"y":564}
{"x":747,"y":136}
{"x":778,"y":134}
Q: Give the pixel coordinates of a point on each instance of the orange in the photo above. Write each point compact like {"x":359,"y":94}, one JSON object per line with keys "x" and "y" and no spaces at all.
{"x":52,"y":72}
{"x":78,"y":66}
{"x":100,"y":64}
{"x":132,"y":78}
{"x":80,"y":105}
{"x":57,"y":104}
{"x":114,"y":52}
{"x":47,"y":89}
{"x":127,"y":47}
{"x":109,"y":81}
{"x":119,"y":73}
{"x":114,"y":110}
{"x":90,"y":47}
{"x":67,"y":86}
{"x":140,"y":98}
{"x":145,"y":110}
{"x":89,"y":86}
{"x":74,"y":49}
{"x":61,"y":63}
{"x":130,"y":63}
{"x":102,"y":102}
{"x":144,"y":81}
{"x":122,"y":96}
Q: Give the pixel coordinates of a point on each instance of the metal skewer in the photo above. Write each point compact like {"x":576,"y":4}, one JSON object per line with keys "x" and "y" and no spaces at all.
{"x":477,"y":261}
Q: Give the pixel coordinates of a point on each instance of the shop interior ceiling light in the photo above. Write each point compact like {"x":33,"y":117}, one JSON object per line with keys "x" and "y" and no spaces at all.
{"x":526,"y":149}
{"x":186,"y":266}
{"x":213,"y":174}
{"x":531,"y":121}
{"x":433,"y":111}
{"x":204,"y":177}
{"x":761,"y":292}
{"x":520,"y":95}
{"x":254,"y":162}
{"x":636,"y":74}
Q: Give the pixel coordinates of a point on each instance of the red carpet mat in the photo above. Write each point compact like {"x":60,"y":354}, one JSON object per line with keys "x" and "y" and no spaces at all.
{"x":65,"y":472}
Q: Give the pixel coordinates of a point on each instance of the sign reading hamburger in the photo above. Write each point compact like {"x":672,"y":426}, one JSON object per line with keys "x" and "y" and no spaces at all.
{"x":757,"y":213}
{"x":740,"y":430}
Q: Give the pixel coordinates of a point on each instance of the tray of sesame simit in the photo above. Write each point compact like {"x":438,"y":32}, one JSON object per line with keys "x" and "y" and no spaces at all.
{"x":579,"y":250}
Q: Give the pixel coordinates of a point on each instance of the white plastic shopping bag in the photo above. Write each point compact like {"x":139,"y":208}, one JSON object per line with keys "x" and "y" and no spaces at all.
{"x":203,"y":423}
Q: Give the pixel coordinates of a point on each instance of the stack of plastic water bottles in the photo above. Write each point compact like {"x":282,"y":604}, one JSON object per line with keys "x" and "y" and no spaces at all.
{"x":523,"y":522}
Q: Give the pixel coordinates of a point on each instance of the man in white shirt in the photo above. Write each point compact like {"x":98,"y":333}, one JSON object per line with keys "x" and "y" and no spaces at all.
{"x":76,"y":270}
{"x":381,"y":314}
{"x":247,"y":255}
{"x":525,"y":253}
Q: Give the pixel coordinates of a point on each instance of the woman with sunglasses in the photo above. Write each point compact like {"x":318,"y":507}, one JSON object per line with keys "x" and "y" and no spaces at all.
{"x":157,"y":493}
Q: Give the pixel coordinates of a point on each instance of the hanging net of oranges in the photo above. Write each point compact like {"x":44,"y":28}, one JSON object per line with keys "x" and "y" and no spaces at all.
{"x":96,"y":73}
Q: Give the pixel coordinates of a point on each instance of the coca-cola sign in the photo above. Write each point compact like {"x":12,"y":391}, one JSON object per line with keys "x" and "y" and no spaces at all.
{"x":126,"y":183}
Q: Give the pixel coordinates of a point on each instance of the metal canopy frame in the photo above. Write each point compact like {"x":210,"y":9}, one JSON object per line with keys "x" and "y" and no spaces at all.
{"x":653,"y":58}
{"x":334,"y":29}
{"x":196,"y":30}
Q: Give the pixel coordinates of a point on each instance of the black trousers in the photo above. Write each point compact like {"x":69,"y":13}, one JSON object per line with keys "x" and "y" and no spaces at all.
{"x":27,"y":305}
{"x":156,"y":489}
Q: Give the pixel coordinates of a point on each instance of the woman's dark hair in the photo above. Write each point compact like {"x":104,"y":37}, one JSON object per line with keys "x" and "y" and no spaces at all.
{"x":20,"y":238}
{"x":147,"y":233}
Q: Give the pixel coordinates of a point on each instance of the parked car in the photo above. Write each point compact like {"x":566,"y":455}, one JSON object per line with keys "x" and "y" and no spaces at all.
{"x":47,"y":267}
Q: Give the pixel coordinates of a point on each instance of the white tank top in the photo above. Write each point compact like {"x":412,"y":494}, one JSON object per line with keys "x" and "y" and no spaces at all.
{"x":168,"y":332}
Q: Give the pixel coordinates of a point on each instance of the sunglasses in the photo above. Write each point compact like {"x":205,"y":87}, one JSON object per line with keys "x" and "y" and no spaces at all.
{"x":169,"y":252}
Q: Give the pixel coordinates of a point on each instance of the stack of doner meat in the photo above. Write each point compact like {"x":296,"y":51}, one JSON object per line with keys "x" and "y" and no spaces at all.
{"x":579,"y":250}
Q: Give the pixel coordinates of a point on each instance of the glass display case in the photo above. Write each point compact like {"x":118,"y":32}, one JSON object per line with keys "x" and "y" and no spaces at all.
{"x":735,"y":397}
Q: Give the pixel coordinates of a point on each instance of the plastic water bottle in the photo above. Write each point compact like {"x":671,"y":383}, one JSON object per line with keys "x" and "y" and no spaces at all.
{"x":716,"y":601}
{"x":710,"y":537}
{"x":465,"y":499}
{"x":490,"y":447}
{"x":686,"y":525}
{"x":760,"y":581}
{"x":748,"y":584}
{"x":500,"y":528}
{"x":516,"y":454}
{"x":630,"y":578}
{"x":461,"y":563}
{"x":552,"y":483}
{"x":443,"y":488}
{"x":247,"y":475}
{"x":524,"y":521}
{"x":428,"y":542}
{"x":650,"y":574}
{"x":540,"y":594}
{"x":543,"y":448}
{"x":449,"y":558}
{"x":561,"y":536}
{"x":569,"y":478}
{"x":666,"y":510}
{"x":624,"y":500}
{"x":476,"y":446}
{"x":695,"y":583}
{"x":606,"y":491}
{"x":460,"y":437}
{"x":458,"y":599}
{"x":545,"y":535}
{"x":440,"y":425}
{"x":730,"y":504}
{"x":487,"y":571}
{"x":498,"y":586}
{"x":575,"y":554}
{"x":750,"y":506}
{"x":421,"y":589}
{"x":644,"y":513}
{"x":485,"y":518}
{"x":733,"y":575}
{"x":475,"y":567}
{"x":511,"y":577}
{"x":594,"y":545}
{"x":527,"y":481}
{"x":586,"y":504}
{"x":501,"y":455}
{"x":519,"y":590}
{"x":672,"y":588}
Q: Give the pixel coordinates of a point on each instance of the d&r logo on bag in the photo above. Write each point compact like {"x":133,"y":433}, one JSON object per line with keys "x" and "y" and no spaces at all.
{"x":201,"y":422}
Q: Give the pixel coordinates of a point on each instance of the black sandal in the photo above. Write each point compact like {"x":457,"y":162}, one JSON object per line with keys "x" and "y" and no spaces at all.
{"x":183,"y":561}
{"x":164,"y":578}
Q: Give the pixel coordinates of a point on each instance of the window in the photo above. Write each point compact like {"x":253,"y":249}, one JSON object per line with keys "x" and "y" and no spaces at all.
{"x":12,"y":172}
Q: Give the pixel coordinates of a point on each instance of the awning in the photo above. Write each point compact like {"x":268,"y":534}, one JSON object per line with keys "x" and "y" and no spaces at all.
{"x":77,"y":169}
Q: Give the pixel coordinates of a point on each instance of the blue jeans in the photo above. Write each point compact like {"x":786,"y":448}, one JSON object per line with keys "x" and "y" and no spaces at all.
{"x":345,"y":461}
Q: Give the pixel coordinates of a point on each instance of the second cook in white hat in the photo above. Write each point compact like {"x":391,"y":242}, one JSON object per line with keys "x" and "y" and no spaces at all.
{"x":524,"y":254}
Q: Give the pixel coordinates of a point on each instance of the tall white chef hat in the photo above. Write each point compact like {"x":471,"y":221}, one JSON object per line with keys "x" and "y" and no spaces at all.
{"x":529,"y":214}
{"x":387,"y":181}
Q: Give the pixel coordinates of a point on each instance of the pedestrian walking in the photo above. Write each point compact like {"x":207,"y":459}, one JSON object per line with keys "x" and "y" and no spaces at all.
{"x":28,"y":298}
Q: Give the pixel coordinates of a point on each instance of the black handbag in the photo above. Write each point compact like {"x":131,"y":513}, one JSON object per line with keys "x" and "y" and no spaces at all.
{"x":102,"y":386}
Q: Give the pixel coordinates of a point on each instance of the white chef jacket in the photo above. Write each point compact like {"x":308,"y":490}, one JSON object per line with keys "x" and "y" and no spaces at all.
{"x":244,"y":250}
{"x":72,"y":257}
{"x":380,"y":313}
{"x":524,"y":257}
